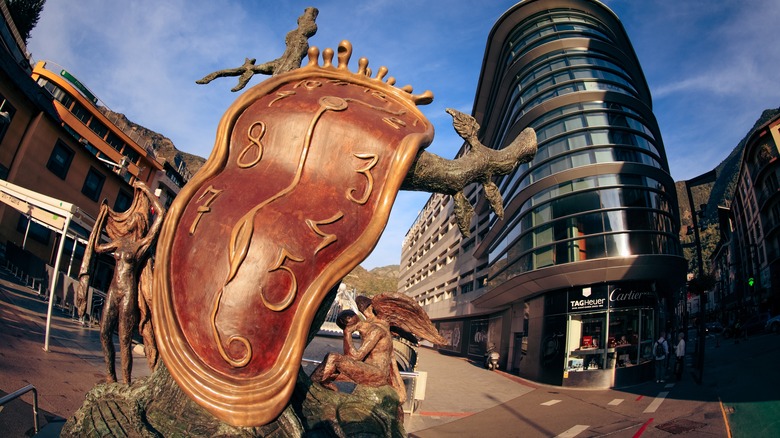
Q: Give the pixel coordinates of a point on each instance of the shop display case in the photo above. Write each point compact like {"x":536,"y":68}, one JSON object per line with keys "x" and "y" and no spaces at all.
{"x":608,"y":347}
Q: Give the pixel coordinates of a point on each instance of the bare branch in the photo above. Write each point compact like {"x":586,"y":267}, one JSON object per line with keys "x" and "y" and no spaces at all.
{"x":297,"y":45}
{"x":432,"y":173}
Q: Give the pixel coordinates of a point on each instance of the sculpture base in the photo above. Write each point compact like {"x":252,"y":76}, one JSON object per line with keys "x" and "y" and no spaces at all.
{"x":156,"y":407}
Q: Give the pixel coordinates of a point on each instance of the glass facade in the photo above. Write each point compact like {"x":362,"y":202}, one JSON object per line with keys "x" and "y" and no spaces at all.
{"x":603,"y":215}
{"x":587,"y":256}
{"x":575,"y":281}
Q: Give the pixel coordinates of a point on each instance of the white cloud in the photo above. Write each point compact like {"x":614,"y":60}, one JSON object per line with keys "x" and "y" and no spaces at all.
{"x":711,"y":66}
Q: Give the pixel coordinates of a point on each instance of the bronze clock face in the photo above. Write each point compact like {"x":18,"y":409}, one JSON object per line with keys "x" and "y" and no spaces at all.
{"x":298,"y":189}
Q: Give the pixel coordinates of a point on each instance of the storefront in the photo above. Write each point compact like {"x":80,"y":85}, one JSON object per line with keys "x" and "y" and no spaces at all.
{"x":599,"y":336}
{"x":609,"y":335}
{"x":471,"y":337}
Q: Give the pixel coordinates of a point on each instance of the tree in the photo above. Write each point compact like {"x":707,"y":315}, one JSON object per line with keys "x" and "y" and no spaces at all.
{"x":25,"y":14}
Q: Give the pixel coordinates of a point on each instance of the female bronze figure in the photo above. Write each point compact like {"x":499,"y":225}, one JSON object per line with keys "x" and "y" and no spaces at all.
{"x":131,"y":236}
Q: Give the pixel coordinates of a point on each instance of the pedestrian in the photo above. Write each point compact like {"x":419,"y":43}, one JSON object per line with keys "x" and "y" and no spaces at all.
{"x":660,"y":351}
{"x":679,"y":352}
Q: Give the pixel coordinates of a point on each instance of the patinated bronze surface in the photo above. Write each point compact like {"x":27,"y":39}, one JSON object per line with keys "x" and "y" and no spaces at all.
{"x":130,"y":236}
{"x":299,"y":186}
{"x":373,"y":363}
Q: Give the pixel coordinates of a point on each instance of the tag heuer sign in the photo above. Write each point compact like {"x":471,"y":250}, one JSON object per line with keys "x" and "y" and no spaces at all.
{"x":295,"y":194}
{"x":587,"y":299}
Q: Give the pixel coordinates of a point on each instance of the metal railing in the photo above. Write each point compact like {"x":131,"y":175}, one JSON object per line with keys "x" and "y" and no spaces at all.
{"x":18,"y":393}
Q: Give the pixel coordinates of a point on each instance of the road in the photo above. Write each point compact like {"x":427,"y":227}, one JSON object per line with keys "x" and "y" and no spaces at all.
{"x":739,"y":393}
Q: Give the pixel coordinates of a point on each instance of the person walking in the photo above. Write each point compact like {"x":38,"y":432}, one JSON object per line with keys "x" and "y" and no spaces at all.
{"x":679,"y":353}
{"x":660,"y":351}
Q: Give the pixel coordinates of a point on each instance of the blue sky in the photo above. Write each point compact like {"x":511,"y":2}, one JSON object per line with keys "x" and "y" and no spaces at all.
{"x":712,"y":66}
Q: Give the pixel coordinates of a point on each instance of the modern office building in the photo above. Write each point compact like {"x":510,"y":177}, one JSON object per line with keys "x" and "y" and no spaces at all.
{"x":580,"y":276}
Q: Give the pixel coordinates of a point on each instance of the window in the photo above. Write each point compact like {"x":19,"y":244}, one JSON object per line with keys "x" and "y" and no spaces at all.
{"x":36,"y":232}
{"x":7,"y":112}
{"x":56,"y":92}
{"x":115,"y":141}
{"x":80,"y":112}
{"x":98,"y":127}
{"x":123,"y":201}
{"x":93,"y":184}
{"x":132,"y":155}
{"x":60,"y":159}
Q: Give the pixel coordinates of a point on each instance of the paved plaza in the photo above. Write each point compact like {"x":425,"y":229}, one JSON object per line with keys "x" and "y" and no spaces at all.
{"x":461,"y":397}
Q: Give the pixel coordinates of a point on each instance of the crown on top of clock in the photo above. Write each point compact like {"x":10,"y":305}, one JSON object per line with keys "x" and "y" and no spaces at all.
{"x":345,"y":53}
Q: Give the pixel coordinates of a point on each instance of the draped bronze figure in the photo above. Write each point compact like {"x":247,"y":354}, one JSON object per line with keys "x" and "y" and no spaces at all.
{"x":130,"y":237}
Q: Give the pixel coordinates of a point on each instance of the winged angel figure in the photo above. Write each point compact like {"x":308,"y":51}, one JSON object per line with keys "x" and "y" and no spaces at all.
{"x":373,"y":363}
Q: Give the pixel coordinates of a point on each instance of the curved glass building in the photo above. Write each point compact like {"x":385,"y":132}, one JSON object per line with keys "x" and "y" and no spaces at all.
{"x":580,"y":274}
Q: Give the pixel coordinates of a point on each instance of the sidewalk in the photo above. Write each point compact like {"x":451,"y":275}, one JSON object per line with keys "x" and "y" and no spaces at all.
{"x":73,"y":365}
{"x":62,"y":376}
{"x":461,"y":398}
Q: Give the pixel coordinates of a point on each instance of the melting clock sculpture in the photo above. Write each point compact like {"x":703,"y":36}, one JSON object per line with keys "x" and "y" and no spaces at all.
{"x":295,"y":194}
{"x":297,"y":190}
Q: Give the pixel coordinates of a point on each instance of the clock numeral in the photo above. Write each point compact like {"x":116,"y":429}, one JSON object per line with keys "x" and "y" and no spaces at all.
{"x":395,"y":122}
{"x":327,"y":239}
{"x":288,"y":299}
{"x":281,"y":95}
{"x":210,"y":194}
{"x":365,"y":171}
{"x":308,"y":84}
{"x":254,"y":144}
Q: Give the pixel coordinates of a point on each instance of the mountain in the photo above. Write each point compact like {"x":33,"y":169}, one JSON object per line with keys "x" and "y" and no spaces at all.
{"x":719,"y":193}
{"x":375,"y":281}
{"x":188,"y":164}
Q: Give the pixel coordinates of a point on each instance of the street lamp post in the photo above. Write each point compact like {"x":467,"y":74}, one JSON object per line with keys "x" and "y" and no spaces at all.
{"x":704,"y":178}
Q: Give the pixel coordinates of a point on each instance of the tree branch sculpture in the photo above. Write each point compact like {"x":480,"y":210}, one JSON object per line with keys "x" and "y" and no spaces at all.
{"x":479,"y":164}
{"x":297,"y":43}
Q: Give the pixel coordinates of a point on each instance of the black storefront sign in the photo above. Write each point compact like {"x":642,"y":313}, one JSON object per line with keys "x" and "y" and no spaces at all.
{"x":609,"y":297}
{"x":620,"y":296}
{"x":588,"y":299}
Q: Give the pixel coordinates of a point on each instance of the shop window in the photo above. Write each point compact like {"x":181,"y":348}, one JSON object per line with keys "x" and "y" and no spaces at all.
{"x":93,"y":184}
{"x":586,"y":342}
{"x":60,"y":159}
{"x":623,"y":336}
{"x":601,"y":340}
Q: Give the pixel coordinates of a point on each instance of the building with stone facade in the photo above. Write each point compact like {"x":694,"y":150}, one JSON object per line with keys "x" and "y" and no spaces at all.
{"x":751,"y":287}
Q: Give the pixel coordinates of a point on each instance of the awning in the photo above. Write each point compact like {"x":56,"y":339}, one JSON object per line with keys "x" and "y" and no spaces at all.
{"x":55,"y":214}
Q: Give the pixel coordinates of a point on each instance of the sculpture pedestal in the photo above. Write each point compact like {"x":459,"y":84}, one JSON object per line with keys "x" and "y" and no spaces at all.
{"x":156,"y":407}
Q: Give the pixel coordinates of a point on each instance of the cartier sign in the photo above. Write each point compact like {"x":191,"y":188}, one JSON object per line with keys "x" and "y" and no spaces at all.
{"x":601,"y":298}
{"x":620,"y":297}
